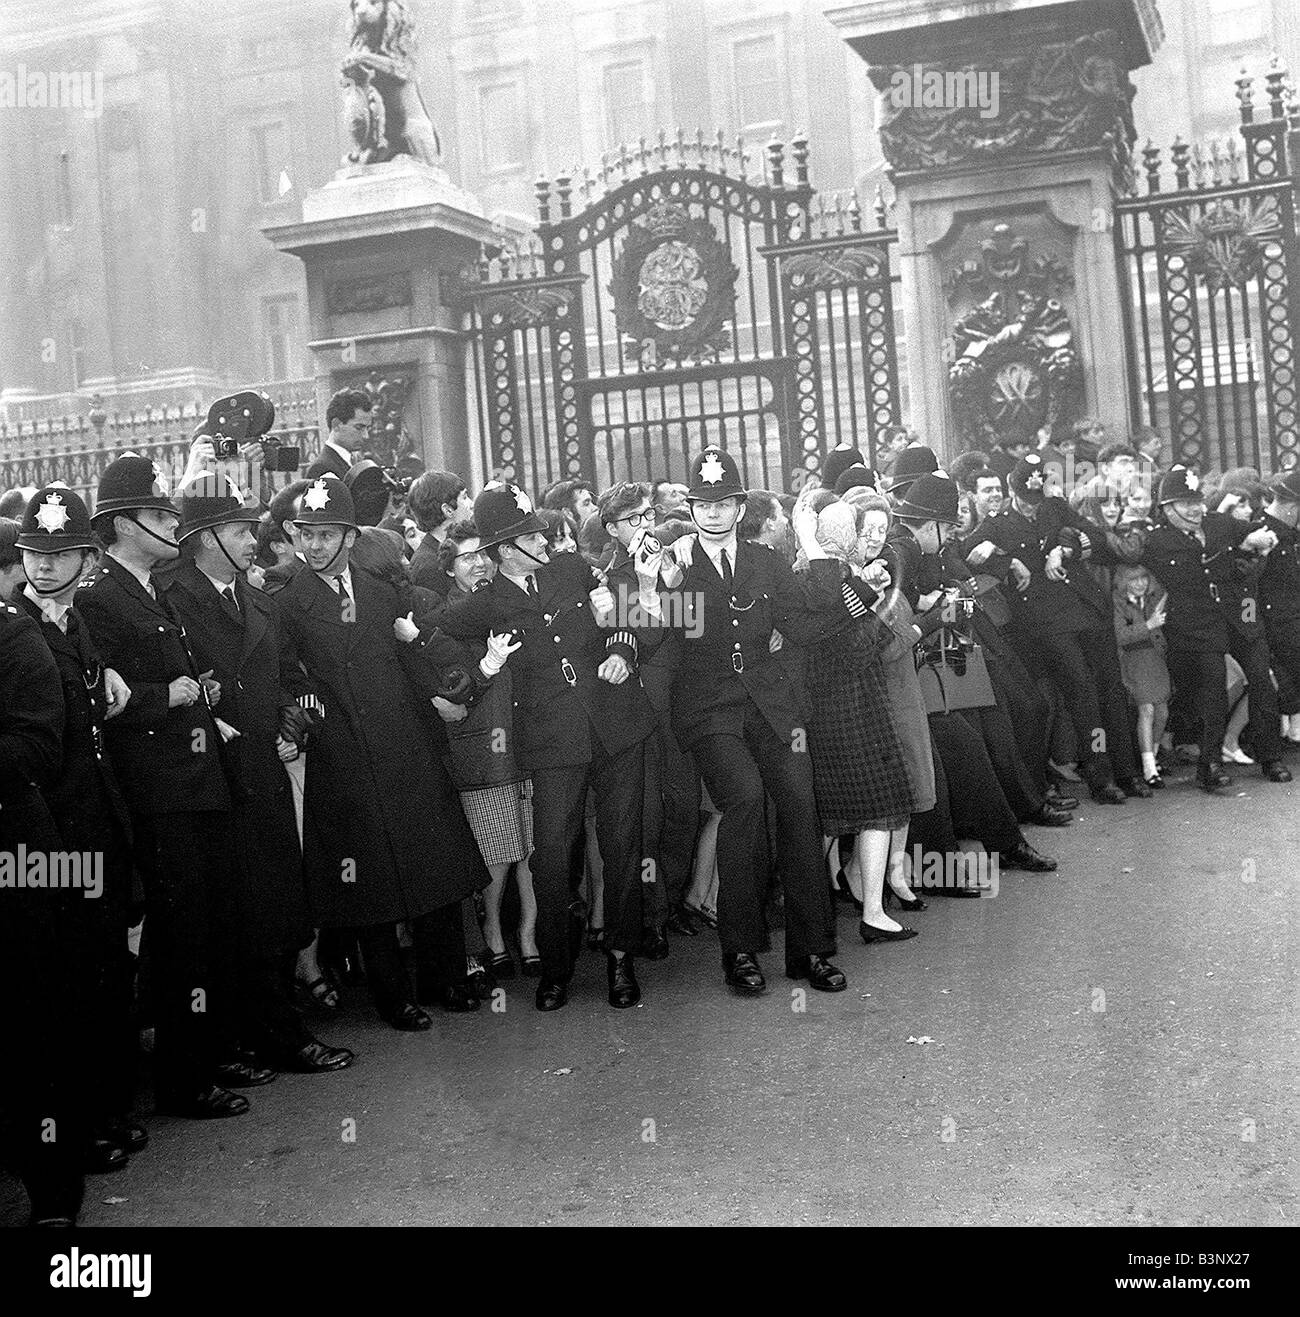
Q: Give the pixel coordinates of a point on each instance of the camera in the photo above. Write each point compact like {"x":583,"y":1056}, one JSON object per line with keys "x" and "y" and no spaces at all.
{"x":237,"y":418}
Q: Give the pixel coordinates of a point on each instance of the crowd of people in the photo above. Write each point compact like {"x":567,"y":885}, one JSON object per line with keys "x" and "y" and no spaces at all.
{"x":392,"y":736}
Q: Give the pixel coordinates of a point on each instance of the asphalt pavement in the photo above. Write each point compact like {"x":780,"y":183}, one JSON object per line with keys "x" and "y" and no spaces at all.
{"x":1114,"y":1043}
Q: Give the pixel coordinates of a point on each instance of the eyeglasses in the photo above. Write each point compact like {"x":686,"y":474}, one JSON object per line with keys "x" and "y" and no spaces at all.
{"x":472,"y":554}
{"x":646,"y":515}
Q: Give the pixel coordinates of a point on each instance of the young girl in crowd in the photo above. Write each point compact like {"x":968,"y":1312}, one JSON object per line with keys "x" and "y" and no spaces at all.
{"x":1139,"y":622}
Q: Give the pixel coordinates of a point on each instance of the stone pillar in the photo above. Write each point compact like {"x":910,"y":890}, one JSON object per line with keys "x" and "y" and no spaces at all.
{"x":1007,"y":126}
{"x":383,"y":245}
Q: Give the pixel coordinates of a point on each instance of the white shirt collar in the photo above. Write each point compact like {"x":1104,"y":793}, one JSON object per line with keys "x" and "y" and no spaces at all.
{"x":145,"y":578}
{"x":333,"y":581}
{"x":50,"y":611}
{"x":219,"y":586}
{"x":714,"y":550}
{"x":340,"y":450}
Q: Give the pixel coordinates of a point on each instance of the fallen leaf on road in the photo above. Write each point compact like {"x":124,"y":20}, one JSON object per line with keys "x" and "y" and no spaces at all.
{"x":924,"y":1038}
{"x":113,"y":1202}
{"x":1126,"y":871}
{"x":568,"y":1070}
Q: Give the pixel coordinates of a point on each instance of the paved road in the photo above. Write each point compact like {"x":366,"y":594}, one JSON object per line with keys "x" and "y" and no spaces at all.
{"x":1031,"y":1105}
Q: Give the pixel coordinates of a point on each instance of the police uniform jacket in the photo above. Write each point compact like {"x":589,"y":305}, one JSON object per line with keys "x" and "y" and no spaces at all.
{"x":1049,"y":607}
{"x":84,"y":799}
{"x":561,"y":708}
{"x":384,"y":835}
{"x":659,"y":652}
{"x":31,"y":733}
{"x":1279,"y":585}
{"x":1192,"y":574}
{"x":167,"y":760}
{"x":242,"y":647}
{"x":726,"y":657}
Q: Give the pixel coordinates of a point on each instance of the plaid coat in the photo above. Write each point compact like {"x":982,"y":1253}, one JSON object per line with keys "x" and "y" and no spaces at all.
{"x":859,"y":774}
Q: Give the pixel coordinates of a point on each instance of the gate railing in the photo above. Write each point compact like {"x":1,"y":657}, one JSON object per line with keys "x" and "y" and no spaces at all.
{"x":1211,"y":273}
{"x":796,"y":352}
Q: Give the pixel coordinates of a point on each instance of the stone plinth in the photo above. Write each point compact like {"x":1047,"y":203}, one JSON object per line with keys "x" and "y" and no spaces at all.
{"x":383,"y":246}
{"x":1007,"y":125}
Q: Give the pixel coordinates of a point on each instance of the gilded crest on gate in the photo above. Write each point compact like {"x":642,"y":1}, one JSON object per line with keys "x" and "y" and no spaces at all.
{"x":1225,"y":245}
{"x":674,"y":288}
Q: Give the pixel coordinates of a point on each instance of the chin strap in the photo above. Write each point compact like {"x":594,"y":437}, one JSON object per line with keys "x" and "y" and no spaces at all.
{"x":325,"y":571}
{"x":171,"y":544}
{"x":58,"y":589}
{"x":734,"y":520}
{"x":541,"y":562}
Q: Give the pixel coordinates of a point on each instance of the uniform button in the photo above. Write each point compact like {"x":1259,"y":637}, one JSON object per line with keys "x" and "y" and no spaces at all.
{"x":150,"y":732}
{"x":736,"y":645}
{"x":556,"y":639}
{"x":735,"y":621}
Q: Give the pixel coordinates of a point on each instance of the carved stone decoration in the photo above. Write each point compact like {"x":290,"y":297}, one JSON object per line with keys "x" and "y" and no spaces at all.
{"x":1057,"y":97}
{"x":674,"y":286}
{"x":1015,"y":366}
{"x":374,"y":293}
{"x":390,"y":441}
{"x":383,"y":110}
{"x":1225,"y":245}
{"x":838,"y":267}
{"x":525,"y":306}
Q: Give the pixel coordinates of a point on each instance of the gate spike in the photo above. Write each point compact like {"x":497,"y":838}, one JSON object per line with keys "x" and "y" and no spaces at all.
{"x":776,"y":163}
{"x":680,"y":143}
{"x":1179,"y":152}
{"x":1198,"y":165}
{"x":880,"y":207}
{"x":643,"y":158}
{"x":564,"y":188}
{"x":818,"y":216}
{"x":588,"y":184}
{"x":1274,"y":80}
{"x":663,"y":149}
{"x":543,"y":190}
{"x":722,"y":151}
{"x":1217,"y":161}
{"x":699,"y":148}
{"x":855,"y":212}
{"x":839,"y":214}
{"x":1245,"y":97}
{"x":742,"y":160}
{"x":799,"y":147}
{"x":1234,"y":160}
{"x":1151,"y":164}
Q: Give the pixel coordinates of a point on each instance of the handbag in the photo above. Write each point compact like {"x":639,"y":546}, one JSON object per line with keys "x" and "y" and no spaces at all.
{"x":954,"y":676}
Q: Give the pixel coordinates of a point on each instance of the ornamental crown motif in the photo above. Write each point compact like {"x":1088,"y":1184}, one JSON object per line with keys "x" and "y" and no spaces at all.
{"x":664,"y":219}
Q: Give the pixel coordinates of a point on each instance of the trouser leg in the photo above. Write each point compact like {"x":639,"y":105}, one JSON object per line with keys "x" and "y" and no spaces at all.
{"x":559,"y":804}
{"x":619,"y":783}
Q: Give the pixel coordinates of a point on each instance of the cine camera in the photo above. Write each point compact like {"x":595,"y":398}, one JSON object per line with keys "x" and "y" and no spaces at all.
{"x":239,"y":418}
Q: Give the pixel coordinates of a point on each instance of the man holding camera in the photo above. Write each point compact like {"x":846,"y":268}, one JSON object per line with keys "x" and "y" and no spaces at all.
{"x":581,"y":722}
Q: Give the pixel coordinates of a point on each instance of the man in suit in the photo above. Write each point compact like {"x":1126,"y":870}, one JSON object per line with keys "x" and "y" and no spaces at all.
{"x":736,"y":710}
{"x":166,"y":753}
{"x":234,"y":631}
{"x":384,"y":835}
{"x":347,"y":419}
{"x":58,"y":548}
{"x":581,"y":723}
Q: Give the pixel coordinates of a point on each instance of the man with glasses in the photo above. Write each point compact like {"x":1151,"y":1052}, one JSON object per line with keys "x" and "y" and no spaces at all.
{"x":672,"y":817}
{"x":348,"y":420}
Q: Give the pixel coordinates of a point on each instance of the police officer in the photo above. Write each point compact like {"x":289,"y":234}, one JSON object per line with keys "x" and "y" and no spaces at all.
{"x":735,"y":709}
{"x":58,"y":549}
{"x":1190,"y":554}
{"x":165,"y":750}
{"x":581,"y":721}
{"x":43,"y":1093}
{"x":384,"y":836}
{"x":234,"y":630}
{"x":1064,"y":614}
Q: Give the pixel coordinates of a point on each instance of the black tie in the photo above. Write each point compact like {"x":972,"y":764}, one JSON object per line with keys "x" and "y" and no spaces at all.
{"x":532,"y":587}
{"x":726,"y":570}
{"x":229,"y":593}
{"x":345,"y":600}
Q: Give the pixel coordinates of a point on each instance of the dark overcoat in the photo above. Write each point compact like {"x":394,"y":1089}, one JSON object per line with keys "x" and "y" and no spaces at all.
{"x":384,"y":835}
{"x":242,"y":647}
{"x":1192,"y":574}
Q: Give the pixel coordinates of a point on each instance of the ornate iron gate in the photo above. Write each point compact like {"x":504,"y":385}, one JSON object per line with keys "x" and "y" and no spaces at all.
{"x":685,"y":303}
{"x":1211,"y":274}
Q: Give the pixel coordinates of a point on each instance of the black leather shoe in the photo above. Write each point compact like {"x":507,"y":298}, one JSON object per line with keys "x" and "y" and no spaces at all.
{"x":743,"y":974}
{"x":211,"y":1103}
{"x":1048,"y":816}
{"x":971,"y":893}
{"x":242,"y":1074}
{"x":869,"y":934}
{"x":654,"y":945}
{"x":551,"y":996}
{"x":1058,"y":801}
{"x":129,"y":1133}
{"x":1211,"y":778}
{"x":480,"y":983}
{"x":624,"y":990}
{"x":1109,"y":794}
{"x":820,"y":973}
{"x":317,"y":1059}
{"x":682,"y":924}
{"x":1025,"y":856}
{"x":1276,"y":771}
{"x":457,"y":999}
{"x":530,"y":967}
{"x":407,"y":1017}
{"x":1136,"y":786}
{"x":888,"y":894}
{"x":104,"y":1155}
